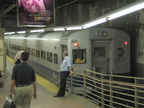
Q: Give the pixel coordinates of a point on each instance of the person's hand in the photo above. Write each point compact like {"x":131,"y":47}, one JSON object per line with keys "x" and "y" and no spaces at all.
{"x":34,"y":95}
{"x":71,"y":72}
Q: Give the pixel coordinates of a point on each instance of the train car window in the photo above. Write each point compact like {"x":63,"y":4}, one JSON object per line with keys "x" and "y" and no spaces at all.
{"x":49,"y":57}
{"x":79,"y":56}
{"x":37,"y":53}
{"x":99,"y":51}
{"x":14,"y":47}
{"x":55,"y":58}
{"x":33,"y":52}
{"x":43,"y":55}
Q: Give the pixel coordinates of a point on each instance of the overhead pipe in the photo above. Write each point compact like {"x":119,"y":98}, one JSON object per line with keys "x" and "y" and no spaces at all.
{"x":66,"y":4}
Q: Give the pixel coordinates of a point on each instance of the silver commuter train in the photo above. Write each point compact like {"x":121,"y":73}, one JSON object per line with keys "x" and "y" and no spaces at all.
{"x":103,"y":50}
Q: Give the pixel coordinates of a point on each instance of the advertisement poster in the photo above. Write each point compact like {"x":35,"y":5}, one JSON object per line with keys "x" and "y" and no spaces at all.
{"x":35,"y":12}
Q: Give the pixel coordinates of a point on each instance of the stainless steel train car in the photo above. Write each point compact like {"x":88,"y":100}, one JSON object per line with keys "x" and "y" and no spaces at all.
{"x":103,"y":50}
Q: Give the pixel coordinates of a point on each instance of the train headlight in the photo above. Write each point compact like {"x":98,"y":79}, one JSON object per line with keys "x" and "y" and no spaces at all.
{"x":126,"y":42}
{"x":76,"y":44}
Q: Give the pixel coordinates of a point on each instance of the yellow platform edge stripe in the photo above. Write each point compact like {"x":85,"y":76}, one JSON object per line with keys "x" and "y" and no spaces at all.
{"x":40,"y":80}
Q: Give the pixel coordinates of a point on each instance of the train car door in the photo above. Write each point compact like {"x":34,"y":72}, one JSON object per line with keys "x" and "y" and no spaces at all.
{"x":100,"y":56}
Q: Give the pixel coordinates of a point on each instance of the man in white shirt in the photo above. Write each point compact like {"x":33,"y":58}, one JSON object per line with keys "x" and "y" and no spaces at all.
{"x":18,"y":56}
{"x":65,"y":70}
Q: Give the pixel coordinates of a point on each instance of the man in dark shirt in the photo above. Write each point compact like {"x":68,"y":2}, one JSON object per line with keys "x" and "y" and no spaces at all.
{"x":23,"y":77}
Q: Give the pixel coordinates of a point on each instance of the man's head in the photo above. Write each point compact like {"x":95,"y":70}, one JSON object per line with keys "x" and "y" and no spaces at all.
{"x":24,"y":56}
{"x":65,"y":53}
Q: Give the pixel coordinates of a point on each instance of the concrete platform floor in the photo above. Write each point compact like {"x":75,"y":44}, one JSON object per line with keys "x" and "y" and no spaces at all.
{"x":45,"y":98}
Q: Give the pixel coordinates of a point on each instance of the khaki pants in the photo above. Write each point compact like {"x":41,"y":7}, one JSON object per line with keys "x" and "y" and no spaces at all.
{"x":22,"y":96}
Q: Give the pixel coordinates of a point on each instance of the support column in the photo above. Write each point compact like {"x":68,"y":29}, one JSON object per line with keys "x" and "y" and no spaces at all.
{"x":2,"y":46}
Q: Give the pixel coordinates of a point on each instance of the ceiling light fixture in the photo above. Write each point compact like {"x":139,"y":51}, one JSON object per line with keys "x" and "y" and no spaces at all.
{"x":126,"y":10}
{"x":59,"y":29}
{"x":21,"y":32}
{"x":74,"y":28}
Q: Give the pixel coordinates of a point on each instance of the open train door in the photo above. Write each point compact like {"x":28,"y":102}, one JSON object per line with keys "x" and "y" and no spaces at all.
{"x":100,"y":56}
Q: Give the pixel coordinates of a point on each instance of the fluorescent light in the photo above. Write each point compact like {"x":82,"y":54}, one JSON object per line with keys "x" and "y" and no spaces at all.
{"x":94,"y":23}
{"x":74,"y":28}
{"x":9,"y":33}
{"x":59,"y":29}
{"x":41,"y":30}
{"x":33,"y":31}
{"x":55,"y":39}
{"x":125,"y":11}
{"x":21,"y":32}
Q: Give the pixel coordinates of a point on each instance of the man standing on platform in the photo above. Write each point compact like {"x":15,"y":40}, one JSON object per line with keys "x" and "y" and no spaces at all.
{"x":65,"y":70}
{"x":24,"y":79}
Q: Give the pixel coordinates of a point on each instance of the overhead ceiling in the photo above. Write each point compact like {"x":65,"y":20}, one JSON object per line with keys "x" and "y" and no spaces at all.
{"x":10,"y":12}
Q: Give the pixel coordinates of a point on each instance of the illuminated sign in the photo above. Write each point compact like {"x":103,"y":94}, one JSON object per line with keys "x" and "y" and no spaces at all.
{"x":35,"y":13}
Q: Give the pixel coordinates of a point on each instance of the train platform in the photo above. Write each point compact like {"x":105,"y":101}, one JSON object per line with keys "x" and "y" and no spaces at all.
{"x":45,"y":92}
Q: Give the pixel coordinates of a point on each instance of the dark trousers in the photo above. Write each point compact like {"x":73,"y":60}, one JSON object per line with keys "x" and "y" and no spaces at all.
{"x":63,"y":76}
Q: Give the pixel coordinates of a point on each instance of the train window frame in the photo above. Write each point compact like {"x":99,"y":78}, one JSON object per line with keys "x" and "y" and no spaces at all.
{"x":38,"y":53}
{"x":43,"y":55}
{"x":49,"y":56}
{"x":78,"y":58}
{"x":14,"y":47}
{"x":55,"y":58}
{"x":99,"y":51}
{"x":18,"y":48}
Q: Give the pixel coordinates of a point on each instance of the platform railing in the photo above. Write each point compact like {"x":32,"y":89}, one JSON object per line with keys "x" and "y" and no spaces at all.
{"x":107,"y":91}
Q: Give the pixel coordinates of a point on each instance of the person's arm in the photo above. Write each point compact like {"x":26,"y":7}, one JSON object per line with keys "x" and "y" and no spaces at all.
{"x":71,"y":71}
{"x":69,"y":65}
{"x":12,"y":83}
{"x":35,"y":89}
